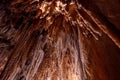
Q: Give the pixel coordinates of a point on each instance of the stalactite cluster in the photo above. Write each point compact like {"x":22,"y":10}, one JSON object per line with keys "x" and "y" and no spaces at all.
{"x":58,"y":40}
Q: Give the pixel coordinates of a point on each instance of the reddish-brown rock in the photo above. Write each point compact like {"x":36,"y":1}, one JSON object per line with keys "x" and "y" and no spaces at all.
{"x":59,"y":40}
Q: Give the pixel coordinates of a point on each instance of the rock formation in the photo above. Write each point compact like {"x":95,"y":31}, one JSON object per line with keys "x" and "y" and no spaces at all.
{"x":59,"y":40}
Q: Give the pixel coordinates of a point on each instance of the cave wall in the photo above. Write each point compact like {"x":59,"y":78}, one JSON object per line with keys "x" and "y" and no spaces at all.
{"x":59,"y":40}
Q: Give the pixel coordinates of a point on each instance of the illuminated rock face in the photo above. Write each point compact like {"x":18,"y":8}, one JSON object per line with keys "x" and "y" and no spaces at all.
{"x":59,"y":40}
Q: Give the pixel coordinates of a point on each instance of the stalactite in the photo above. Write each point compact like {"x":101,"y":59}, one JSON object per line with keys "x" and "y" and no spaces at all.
{"x":58,"y":40}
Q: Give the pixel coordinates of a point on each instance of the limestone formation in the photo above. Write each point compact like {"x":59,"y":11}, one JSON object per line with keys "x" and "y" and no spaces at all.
{"x":59,"y":40}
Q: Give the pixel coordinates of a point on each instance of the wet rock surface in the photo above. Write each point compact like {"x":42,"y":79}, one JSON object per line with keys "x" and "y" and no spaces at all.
{"x":59,"y":40}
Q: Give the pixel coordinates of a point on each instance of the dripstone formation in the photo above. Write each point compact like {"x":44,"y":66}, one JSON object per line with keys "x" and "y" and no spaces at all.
{"x":59,"y":40}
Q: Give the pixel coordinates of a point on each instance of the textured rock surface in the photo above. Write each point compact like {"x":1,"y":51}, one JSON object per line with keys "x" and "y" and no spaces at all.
{"x":59,"y":40}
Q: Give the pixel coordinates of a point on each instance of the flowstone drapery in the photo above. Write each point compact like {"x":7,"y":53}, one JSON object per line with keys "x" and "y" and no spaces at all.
{"x":59,"y":40}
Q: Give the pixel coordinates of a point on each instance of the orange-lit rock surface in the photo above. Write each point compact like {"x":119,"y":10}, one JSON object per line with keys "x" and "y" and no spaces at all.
{"x":59,"y":40}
